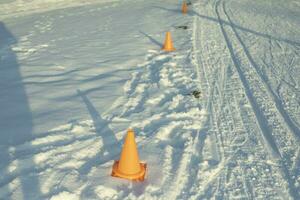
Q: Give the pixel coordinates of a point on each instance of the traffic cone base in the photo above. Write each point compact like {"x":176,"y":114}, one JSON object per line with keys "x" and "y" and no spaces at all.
{"x":140,"y":176}
{"x":168,"y":49}
{"x":129,"y":166}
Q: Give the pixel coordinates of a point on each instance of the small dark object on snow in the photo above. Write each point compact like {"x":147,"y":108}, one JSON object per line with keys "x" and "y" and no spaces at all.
{"x":188,"y":3}
{"x":196,"y":94}
{"x":182,"y":27}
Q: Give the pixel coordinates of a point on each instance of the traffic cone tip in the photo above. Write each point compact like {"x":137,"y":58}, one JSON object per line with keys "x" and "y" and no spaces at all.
{"x":140,"y":176}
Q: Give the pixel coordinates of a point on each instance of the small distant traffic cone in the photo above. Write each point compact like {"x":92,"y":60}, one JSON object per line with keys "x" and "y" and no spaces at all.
{"x":129,"y":166}
{"x":184,"y":7}
{"x":168,"y":46}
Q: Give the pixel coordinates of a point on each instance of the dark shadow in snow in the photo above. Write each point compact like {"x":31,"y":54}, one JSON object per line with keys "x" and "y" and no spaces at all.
{"x":15,"y":118}
{"x":291,"y":42}
{"x":184,"y":27}
{"x":178,"y":11}
{"x":138,"y":188}
{"x":111,"y":147}
{"x":152,"y":39}
{"x":132,"y":187}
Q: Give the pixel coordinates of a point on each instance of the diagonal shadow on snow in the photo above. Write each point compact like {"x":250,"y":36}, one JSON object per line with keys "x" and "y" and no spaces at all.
{"x":108,"y":152}
{"x":15,"y":121}
{"x":152,"y":39}
{"x":168,"y":9}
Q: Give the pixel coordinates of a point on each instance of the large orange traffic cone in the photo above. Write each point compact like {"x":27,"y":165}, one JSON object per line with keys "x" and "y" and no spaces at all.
{"x":129,"y":166}
{"x":168,"y":46}
{"x":184,"y":8}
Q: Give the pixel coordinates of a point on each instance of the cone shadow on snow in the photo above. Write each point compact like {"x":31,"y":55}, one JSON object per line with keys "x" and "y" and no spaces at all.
{"x":139,"y":188}
{"x":152,"y":39}
{"x":169,"y":10}
{"x":111,"y":146}
{"x":136,"y":188}
{"x":264,"y":35}
{"x":15,"y":119}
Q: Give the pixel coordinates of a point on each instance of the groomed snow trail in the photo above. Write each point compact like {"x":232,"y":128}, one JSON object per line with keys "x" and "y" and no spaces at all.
{"x":256,"y":136}
{"x":239,"y":140}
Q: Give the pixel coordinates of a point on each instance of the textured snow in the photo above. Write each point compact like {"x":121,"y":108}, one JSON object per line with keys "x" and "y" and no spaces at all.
{"x":75,"y":75}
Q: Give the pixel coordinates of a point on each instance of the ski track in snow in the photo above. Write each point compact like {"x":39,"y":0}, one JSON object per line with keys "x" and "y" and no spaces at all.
{"x":211,"y":69}
{"x":240,"y":140}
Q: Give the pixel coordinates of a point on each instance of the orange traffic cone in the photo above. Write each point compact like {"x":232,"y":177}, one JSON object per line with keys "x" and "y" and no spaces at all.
{"x":168,"y":46}
{"x":129,"y":166}
{"x":184,"y":7}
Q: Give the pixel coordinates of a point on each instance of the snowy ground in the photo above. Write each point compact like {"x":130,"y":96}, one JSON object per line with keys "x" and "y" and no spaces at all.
{"x":74,"y":75}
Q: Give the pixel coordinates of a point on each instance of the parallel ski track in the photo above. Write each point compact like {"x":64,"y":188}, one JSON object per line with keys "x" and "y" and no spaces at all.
{"x":278,"y":103}
{"x":269,"y":138}
{"x":221,"y":102}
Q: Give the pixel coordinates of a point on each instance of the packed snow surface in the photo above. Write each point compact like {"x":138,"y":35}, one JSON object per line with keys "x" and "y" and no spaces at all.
{"x":75,"y":75}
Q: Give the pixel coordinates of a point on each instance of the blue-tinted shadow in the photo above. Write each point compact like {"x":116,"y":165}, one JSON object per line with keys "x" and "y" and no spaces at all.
{"x":152,"y":39}
{"x":15,"y":119}
{"x":111,"y":147}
